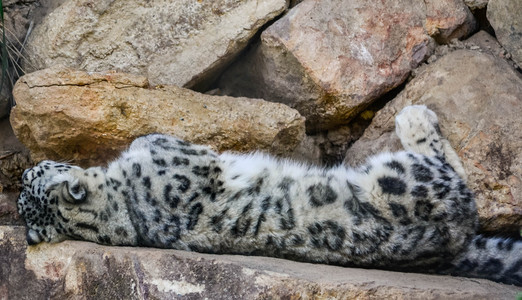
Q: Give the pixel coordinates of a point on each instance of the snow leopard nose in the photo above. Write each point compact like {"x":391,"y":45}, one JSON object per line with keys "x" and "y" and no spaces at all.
{"x":33,"y":237}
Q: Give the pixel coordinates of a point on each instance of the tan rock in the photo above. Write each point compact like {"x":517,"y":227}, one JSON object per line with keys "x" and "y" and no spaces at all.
{"x":478,"y":99}
{"x":89,"y":118}
{"x":505,"y":17}
{"x":449,"y":19}
{"x":331,"y":59}
{"x":175,"y":42}
{"x":89,"y":271}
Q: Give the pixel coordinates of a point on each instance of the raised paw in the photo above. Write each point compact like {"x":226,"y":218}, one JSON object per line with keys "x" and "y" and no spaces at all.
{"x":418,"y":129}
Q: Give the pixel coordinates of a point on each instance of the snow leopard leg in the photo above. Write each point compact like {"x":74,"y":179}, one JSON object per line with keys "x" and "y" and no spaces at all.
{"x":418,"y":129}
{"x":497,"y":259}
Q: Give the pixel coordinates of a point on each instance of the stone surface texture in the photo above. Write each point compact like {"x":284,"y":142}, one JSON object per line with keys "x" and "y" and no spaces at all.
{"x":480,"y":118}
{"x":8,"y":210}
{"x":179,"y":43}
{"x":88,"y":118}
{"x":331,"y":59}
{"x":505,"y":17}
{"x":82,"y":270}
{"x":448,"y":19}
{"x":14,"y":159}
{"x":476,"y":4}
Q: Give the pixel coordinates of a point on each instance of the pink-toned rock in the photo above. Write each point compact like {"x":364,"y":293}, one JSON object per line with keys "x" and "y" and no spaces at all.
{"x":330,"y":59}
{"x":448,"y":19}
{"x":83,"y":270}
{"x":478,"y":98}
{"x":88,"y":118}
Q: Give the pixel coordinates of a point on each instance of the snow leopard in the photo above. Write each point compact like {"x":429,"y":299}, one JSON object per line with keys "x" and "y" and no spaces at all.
{"x":405,"y":211}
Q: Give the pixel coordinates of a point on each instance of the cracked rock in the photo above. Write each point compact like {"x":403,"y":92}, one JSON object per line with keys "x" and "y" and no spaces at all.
{"x":183,"y":43}
{"x":88,"y":118}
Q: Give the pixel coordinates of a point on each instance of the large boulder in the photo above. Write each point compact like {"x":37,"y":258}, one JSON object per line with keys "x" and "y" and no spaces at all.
{"x":505,"y":17}
{"x":84,"y":270}
{"x":478,"y":98}
{"x":88,"y":118}
{"x":330,"y":59}
{"x":180,"y":43}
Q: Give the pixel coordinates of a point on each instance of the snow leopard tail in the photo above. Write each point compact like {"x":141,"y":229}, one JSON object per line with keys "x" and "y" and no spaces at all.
{"x":497,"y":259}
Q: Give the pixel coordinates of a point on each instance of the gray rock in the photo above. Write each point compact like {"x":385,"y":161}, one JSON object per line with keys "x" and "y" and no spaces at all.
{"x":180,"y":43}
{"x":14,"y":159}
{"x":505,"y":17}
{"x":8,"y":210}
{"x":81,"y":270}
{"x":331,"y":59}
{"x":478,"y":98}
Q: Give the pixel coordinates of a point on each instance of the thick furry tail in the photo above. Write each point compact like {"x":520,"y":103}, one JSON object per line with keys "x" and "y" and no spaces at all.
{"x":497,"y":259}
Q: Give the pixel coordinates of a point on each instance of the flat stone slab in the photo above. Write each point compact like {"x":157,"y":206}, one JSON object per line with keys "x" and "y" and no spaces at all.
{"x":82,"y":270}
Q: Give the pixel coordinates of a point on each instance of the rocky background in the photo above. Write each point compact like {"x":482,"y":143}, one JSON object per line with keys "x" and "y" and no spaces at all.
{"x":317,"y":81}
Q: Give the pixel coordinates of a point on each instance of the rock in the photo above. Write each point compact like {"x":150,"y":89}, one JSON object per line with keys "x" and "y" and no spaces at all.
{"x":19,"y":16}
{"x":88,"y":118}
{"x":478,"y":99}
{"x":90,"y":271}
{"x":8,"y":210}
{"x":505,"y":18}
{"x":328,"y":148}
{"x":182,"y":43}
{"x":14,"y":158}
{"x":484,"y":42}
{"x":480,"y":41}
{"x":294,"y":2}
{"x":449,"y":19}
{"x":360,"y":51}
{"x":331,"y":59}
{"x":476,"y":4}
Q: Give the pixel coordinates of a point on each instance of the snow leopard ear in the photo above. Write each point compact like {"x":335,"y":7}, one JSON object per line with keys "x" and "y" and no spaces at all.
{"x":71,"y":188}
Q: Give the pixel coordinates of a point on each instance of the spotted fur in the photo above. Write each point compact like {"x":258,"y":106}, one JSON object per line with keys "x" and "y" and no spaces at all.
{"x":407,"y":211}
